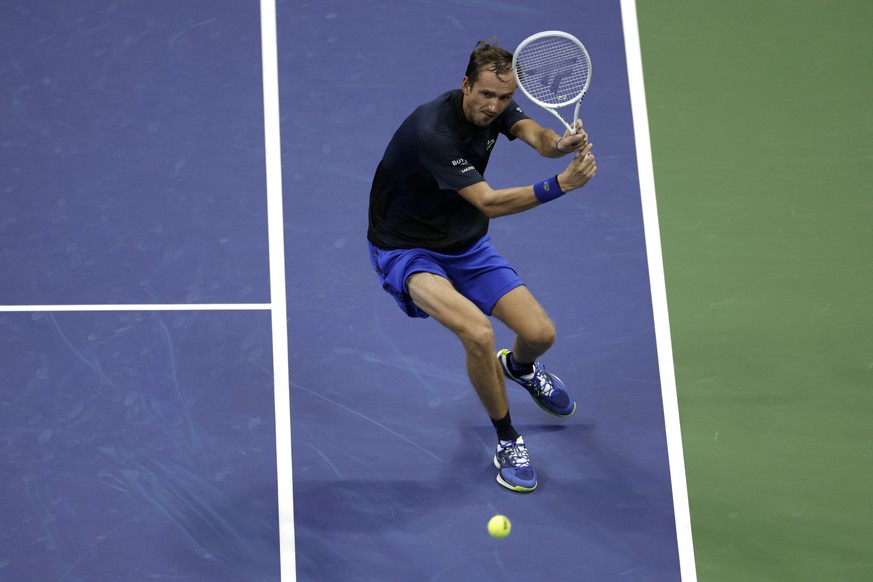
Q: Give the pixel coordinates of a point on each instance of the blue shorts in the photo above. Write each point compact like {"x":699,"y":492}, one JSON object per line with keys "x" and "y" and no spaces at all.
{"x":479,"y":273}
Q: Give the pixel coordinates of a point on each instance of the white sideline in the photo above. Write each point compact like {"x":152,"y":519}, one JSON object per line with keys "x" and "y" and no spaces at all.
{"x":658,"y":290}
{"x":275,"y":225}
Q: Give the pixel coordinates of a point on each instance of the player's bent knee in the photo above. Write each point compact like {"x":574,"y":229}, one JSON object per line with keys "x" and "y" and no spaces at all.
{"x":541,"y":337}
{"x":549,"y":335}
{"x":478,"y":336}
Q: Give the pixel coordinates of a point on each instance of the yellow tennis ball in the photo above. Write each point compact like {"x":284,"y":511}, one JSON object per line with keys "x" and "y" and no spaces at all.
{"x":499,"y":526}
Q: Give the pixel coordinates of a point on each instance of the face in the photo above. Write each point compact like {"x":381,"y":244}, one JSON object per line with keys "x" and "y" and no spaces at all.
{"x":487,"y":99}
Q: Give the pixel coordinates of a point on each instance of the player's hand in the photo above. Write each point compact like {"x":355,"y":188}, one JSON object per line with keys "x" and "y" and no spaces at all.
{"x":582,"y":168}
{"x":573,"y":142}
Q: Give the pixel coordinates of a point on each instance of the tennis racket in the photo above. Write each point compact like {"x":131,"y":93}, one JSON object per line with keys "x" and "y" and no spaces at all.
{"x":553,"y":70}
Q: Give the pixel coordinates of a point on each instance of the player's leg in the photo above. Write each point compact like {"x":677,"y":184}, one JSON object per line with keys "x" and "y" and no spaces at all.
{"x":421,"y":287}
{"x":523,"y":314}
{"x":437,"y":297}
{"x":535,"y":334}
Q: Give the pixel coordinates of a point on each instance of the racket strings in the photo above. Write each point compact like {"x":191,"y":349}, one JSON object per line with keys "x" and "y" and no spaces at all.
{"x":553,"y":70}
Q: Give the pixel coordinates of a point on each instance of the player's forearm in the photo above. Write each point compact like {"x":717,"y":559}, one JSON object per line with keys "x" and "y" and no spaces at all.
{"x":495,"y":203}
{"x":552,"y":145}
{"x":548,"y":144}
{"x":542,"y":139}
{"x":509,"y":201}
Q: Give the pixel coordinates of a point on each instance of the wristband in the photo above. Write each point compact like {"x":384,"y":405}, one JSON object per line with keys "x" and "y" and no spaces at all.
{"x":547,"y":190}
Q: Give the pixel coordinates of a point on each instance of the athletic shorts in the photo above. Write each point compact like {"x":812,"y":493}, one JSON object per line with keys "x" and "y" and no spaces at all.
{"x":479,"y":273}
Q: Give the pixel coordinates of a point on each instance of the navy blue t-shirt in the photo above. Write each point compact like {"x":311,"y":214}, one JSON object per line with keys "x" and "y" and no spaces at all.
{"x":435,"y":152}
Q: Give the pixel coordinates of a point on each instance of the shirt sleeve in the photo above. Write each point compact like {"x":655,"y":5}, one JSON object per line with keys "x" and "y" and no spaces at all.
{"x":510,"y":116}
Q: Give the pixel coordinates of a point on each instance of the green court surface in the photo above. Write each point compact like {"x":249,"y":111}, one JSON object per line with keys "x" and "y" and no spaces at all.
{"x":761,"y":116}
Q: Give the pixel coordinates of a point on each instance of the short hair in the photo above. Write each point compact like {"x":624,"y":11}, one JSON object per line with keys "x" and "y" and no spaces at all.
{"x":487,"y":56}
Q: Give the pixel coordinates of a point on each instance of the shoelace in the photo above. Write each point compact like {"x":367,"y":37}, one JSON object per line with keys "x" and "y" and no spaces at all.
{"x":543,"y":386}
{"x":518,"y":454}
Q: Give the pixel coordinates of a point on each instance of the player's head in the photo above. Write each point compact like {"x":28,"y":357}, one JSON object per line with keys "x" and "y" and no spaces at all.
{"x":488,"y":84}
{"x":487,"y":56}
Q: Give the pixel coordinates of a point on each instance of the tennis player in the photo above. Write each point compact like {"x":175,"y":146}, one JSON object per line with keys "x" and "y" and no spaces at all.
{"x":428,"y":236}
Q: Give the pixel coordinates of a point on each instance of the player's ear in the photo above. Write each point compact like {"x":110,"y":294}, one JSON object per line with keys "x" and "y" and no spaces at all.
{"x":465,"y":85}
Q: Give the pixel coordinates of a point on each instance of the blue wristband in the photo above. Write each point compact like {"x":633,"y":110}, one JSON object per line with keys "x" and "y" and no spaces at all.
{"x":548,"y":190}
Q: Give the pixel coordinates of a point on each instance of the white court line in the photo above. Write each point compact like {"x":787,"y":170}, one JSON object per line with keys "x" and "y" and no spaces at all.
{"x":275,"y":224}
{"x":659,"y":291}
{"x":141,"y":307}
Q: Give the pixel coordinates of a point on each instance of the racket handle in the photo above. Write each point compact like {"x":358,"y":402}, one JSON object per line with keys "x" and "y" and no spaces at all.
{"x":576,"y":114}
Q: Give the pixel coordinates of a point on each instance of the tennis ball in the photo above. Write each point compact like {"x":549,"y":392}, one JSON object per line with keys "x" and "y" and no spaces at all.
{"x":499,"y":526}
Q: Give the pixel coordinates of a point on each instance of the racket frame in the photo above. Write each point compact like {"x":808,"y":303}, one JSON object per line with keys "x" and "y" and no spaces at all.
{"x":550,"y":107}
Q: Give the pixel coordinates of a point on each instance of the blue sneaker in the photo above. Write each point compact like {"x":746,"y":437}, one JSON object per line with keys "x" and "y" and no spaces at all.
{"x":546,"y":389}
{"x":514,"y":463}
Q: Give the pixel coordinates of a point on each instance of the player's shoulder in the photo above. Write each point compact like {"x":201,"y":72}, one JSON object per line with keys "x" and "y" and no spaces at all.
{"x":437,"y":118}
{"x":437,"y":109}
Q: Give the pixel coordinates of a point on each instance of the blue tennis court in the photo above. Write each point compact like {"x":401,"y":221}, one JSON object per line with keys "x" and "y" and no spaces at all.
{"x":191,"y":393}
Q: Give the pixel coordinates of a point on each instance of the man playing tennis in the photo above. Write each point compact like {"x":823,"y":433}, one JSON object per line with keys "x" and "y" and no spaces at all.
{"x":428,"y":235}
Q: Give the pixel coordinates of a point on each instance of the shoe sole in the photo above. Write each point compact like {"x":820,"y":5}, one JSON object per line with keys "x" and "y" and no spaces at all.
{"x":534,"y":398}
{"x":510,"y":486}
{"x":552,"y":412}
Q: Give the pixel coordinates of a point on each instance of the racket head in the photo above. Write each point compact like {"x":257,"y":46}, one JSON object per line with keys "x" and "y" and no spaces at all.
{"x":552,"y":68}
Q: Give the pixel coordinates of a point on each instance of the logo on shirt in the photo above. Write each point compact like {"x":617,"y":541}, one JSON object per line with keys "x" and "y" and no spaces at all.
{"x":460,"y":162}
{"x":489,"y":144}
